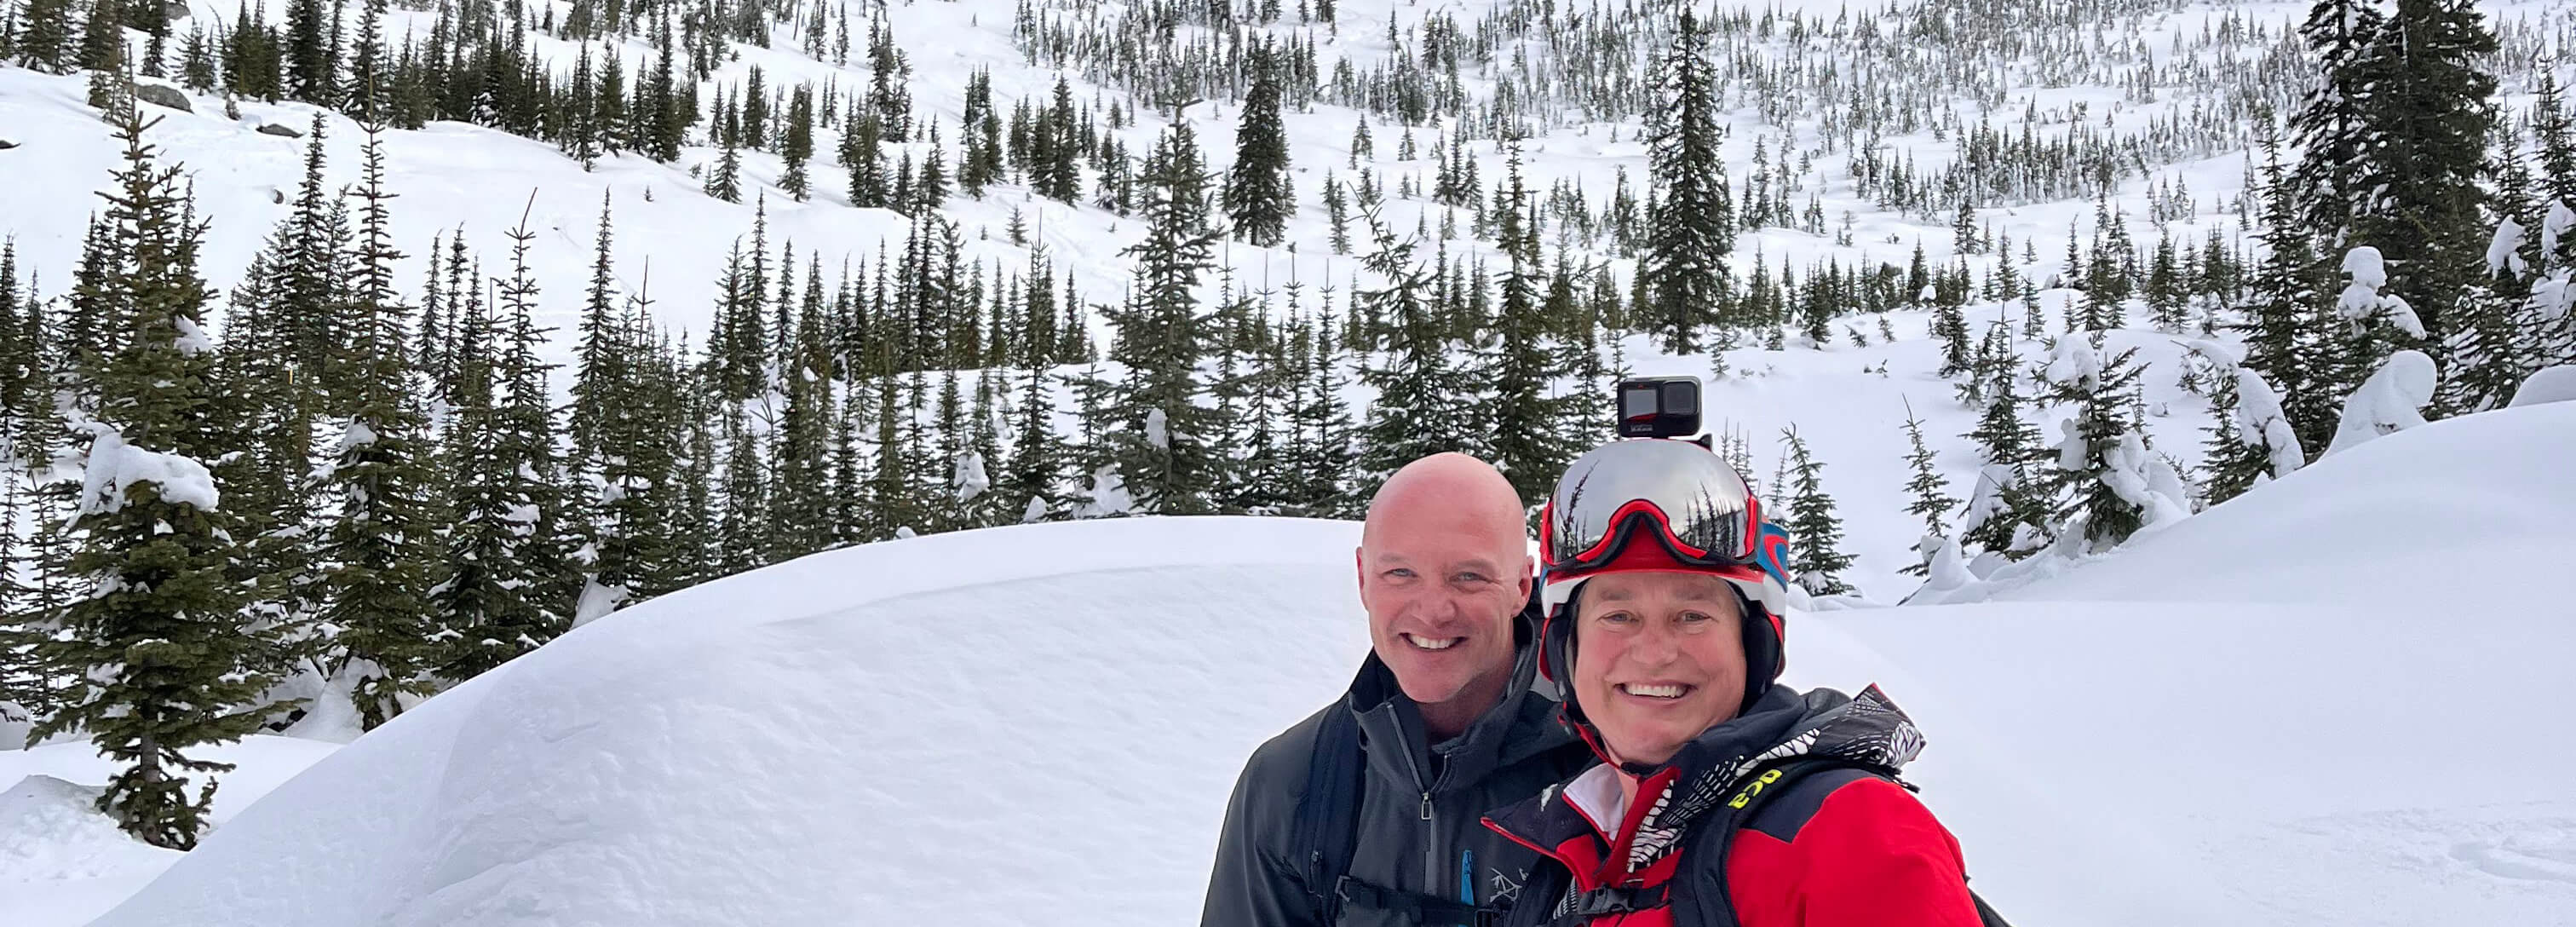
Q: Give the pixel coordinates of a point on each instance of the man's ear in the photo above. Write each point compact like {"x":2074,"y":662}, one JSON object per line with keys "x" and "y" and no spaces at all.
{"x":1359,"y":567}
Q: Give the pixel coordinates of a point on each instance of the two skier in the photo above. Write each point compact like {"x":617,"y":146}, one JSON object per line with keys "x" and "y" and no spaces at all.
{"x":1626,"y":748}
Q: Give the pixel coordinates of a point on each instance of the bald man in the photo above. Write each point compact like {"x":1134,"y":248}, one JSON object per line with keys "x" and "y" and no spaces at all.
{"x":1367,"y":812}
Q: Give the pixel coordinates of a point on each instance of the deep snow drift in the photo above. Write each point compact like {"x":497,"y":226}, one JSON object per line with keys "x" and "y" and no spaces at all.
{"x":2333,"y":701}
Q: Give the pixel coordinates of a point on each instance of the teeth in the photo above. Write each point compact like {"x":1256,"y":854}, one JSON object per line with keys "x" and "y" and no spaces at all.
{"x":1432,"y":643}
{"x":1671,"y":690}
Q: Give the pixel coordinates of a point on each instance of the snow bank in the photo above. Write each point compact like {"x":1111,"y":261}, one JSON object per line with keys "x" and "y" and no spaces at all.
{"x":2387,"y":402}
{"x":2554,"y":384}
{"x":2460,"y":516}
{"x":2240,"y":720}
{"x":63,"y":863}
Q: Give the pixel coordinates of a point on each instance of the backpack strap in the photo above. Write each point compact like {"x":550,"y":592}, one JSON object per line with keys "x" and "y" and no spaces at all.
{"x":1328,"y":814}
{"x":1759,"y":786}
{"x":1327,"y":830}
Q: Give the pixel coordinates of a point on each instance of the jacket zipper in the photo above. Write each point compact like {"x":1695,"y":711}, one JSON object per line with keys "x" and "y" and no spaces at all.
{"x":1431,"y":829}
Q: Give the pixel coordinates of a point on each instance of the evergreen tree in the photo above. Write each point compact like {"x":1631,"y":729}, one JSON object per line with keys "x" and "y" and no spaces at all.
{"x":2431,"y":112}
{"x":1259,"y":195}
{"x":2283,"y":315}
{"x":1532,"y":425}
{"x":2250,"y":443}
{"x":2104,"y":482}
{"x":156,"y":660}
{"x":1817,"y":559}
{"x":798,"y":144}
{"x":2334,"y":125}
{"x":310,"y":53}
{"x":44,"y":39}
{"x":509,"y":586}
{"x":1422,"y":400}
{"x":1931,"y":499}
{"x":1692,"y":220}
{"x":377,"y":550}
{"x":1165,"y":446}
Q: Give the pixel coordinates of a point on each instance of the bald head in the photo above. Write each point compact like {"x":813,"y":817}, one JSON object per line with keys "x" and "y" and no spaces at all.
{"x":1444,"y":566}
{"x":1452,"y":487}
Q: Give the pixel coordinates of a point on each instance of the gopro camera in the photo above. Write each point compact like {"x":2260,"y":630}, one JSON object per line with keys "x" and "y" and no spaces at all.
{"x":1659,"y":407}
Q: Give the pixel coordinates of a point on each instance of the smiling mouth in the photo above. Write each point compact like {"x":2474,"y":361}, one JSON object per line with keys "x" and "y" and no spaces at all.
{"x":1420,"y":642}
{"x":1666,"y":691}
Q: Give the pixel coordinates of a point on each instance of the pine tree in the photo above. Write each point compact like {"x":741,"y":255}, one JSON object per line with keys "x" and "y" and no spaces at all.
{"x":1692,"y":221}
{"x":157,"y":661}
{"x":1931,"y":499}
{"x":2103,"y":482}
{"x":1421,"y":406}
{"x":1817,"y":558}
{"x":378,"y":548}
{"x":798,"y":144}
{"x":509,"y":584}
{"x":1532,"y":426}
{"x":2431,"y":112}
{"x":2283,"y":315}
{"x":1259,"y":196}
{"x":2250,"y":443}
{"x":1165,"y":446}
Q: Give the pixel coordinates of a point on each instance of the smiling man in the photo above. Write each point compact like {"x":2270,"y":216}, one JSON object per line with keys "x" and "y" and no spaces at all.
{"x":1366,"y":813}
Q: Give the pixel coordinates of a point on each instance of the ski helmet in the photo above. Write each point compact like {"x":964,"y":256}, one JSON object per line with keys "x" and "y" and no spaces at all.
{"x":1658,"y":505}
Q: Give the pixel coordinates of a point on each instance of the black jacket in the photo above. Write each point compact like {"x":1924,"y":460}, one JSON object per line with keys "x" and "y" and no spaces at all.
{"x":1418,"y":824}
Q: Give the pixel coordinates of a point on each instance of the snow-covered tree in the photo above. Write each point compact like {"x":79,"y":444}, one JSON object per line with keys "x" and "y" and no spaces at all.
{"x":156,"y":659}
{"x":2388,"y":402}
{"x":2107,"y":485}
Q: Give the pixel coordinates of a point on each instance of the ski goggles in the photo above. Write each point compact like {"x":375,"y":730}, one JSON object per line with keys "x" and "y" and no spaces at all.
{"x":1676,"y":494}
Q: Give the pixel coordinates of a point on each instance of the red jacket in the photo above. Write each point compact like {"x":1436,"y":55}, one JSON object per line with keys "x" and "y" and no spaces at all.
{"x":1841,"y":847}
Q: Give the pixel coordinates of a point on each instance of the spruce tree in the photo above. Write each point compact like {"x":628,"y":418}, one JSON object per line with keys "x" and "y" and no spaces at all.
{"x":2284,"y":313}
{"x":1165,"y":445}
{"x":2431,"y":112}
{"x":2250,"y":442}
{"x":2102,"y":481}
{"x":154,"y":654}
{"x":377,"y":550}
{"x":1422,"y":398}
{"x":1931,"y":499}
{"x":1692,"y":224}
{"x":1259,"y":195}
{"x":1817,"y":558}
{"x":1530,"y":422}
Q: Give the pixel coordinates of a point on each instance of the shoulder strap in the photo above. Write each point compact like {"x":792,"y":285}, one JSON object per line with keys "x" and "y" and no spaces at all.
{"x":1328,"y":814}
{"x":1717,"y":909}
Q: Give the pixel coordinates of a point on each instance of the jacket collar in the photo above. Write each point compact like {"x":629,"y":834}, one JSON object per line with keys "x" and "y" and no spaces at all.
{"x":1782,"y":725}
{"x":1520,"y":725}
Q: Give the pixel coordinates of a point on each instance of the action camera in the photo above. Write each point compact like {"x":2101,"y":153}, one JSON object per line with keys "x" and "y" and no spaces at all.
{"x":1659,"y":407}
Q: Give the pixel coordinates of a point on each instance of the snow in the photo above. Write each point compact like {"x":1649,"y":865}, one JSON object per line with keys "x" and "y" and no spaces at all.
{"x":2260,"y":423}
{"x":2554,"y":384}
{"x":2389,"y":401}
{"x":64,"y":863}
{"x":114,"y":467}
{"x":1067,"y":705}
{"x":970,"y":480}
{"x":1108,"y":496}
{"x":2361,"y":300}
{"x":2555,"y":224}
{"x":2503,"y":255}
{"x":192,"y":339}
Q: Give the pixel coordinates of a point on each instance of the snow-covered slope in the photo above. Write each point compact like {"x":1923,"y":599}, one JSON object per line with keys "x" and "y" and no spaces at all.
{"x":1039,"y":726}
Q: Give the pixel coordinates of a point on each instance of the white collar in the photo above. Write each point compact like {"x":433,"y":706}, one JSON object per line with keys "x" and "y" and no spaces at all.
{"x":1596,"y":795}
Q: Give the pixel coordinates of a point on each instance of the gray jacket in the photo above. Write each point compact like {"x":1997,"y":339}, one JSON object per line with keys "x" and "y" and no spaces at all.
{"x":1419,"y":827}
